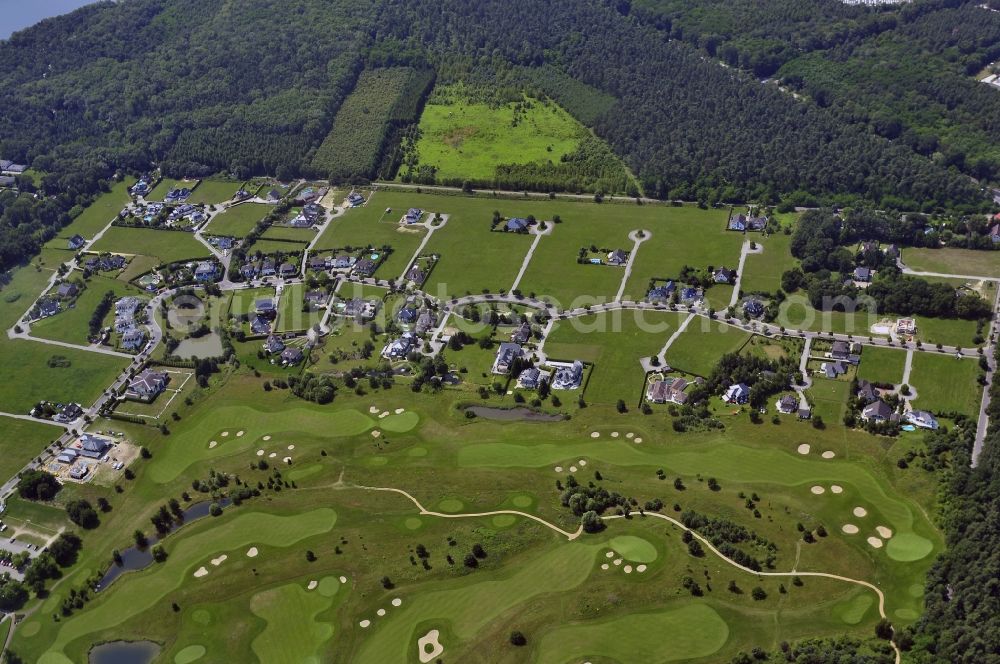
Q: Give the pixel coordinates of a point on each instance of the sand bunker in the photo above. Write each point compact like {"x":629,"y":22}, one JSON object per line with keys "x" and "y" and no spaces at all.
{"x":884,"y":533}
{"x":383,"y":414}
{"x":595,"y":434}
{"x":609,"y":554}
{"x":380,"y":613}
{"x":860,"y":512}
{"x":312,"y":585}
{"x":630,"y":435}
{"x":343,"y":579}
{"x":572,"y":469}
{"x":628,"y":569}
{"x":212,"y":444}
{"x":804,"y":448}
{"x":397,"y":602}
{"x":428,"y":648}
{"x":581,"y":462}
{"x":399,"y":411}
{"x":828,"y":454}
{"x":365,"y":623}
{"x":200,"y":572}
{"x":239,"y":434}
{"x":849,"y":528}
{"x":558,"y":469}
{"x":637,"y":440}
{"x":376,"y":433}
{"x":875,"y":542}
{"x":817,"y":489}
{"x":225,"y":433}
{"x":640,"y":569}
{"x":267,"y":438}
{"x":252,"y":552}
{"x":605,"y":566}
{"x":617,"y":561}
{"x":260,"y":452}
{"x":272,"y":455}
{"x":836,"y":488}
{"x":291,"y":447}
{"x":218,"y":561}
{"x":373,"y":409}
{"x":287,"y":459}
{"x":614,"y":434}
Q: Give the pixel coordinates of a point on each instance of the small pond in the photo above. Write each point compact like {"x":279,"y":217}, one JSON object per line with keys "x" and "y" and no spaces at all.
{"x":209,"y":345}
{"x":124,"y":652}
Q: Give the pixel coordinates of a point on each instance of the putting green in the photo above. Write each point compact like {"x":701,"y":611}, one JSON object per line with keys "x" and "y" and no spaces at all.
{"x":474,"y":603}
{"x":328,"y":586}
{"x":377,"y":461}
{"x":201,"y":616}
{"x":634,"y":548}
{"x":522,"y":501}
{"x":412,"y":523}
{"x":916,"y":590}
{"x":671,"y":635}
{"x":451,"y":505}
{"x":189,"y":654}
{"x":418,"y":452}
{"x":504,"y":520}
{"x":852,"y":611}
{"x":292,"y":634}
{"x":29,"y":629}
{"x":298,"y":474}
{"x":908,"y":547}
{"x":123,"y":599}
{"x":400,"y":423}
{"x":907,"y":614}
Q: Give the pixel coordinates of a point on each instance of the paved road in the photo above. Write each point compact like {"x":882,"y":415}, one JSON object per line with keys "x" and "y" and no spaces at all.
{"x":744,"y":250}
{"x":527,"y":257}
{"x":423,"y":243}
{"x":636,"y":241}
{"x":990,"y":353}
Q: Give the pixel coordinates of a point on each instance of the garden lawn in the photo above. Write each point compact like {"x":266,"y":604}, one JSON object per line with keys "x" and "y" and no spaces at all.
{"x":73,"y":325}
{"x":945,"y":384}
{"x":882,"y":365}
{"x":762,"y":272}
{"x":828,"y":398}
{"x":214,"y":192}
{"x":238,"y":220}
{"x":22,"y":441}
{"x":946,"y":260}
{"x":613,"y":342}
{"x":290,"y":314}
{"x":279,"y":246}
{"x":243,"y":301}
{"x":946,"y":331}
{"x":161,"y":190}
{"x":465,"y":140}
{"x":167,"y":246}
{"x":288,"y":233}
{"x":698,"y":348}
{"x":97,"y":215}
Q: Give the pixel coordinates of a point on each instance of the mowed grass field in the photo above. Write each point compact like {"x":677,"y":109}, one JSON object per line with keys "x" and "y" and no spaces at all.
{"x":468,"y":140}
{"x":762,"y":272}
{"x":371,"y":225}
{"x":882,"y":365}
{"x":161,"y":190}
{"x":613,"y":342}
{"x":214,"y":192}
{"x":167,"y":246}
{"x":698,"y":348}
{"x":97,"y":215}
{"x":290,"y":314}
{"x":23,"y":441}
{"x":238,"y":220}
{"x":946,"y":260}
{"x":945,"y":384}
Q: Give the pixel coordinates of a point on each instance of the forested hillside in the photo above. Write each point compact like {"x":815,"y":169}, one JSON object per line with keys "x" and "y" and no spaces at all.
{"x":202,"y":86}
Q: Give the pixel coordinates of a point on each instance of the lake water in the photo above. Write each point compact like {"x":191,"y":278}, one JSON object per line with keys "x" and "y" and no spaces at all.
{"x":124,"y":652}
{"x":19,"y":14}
{"x":209,"y":345}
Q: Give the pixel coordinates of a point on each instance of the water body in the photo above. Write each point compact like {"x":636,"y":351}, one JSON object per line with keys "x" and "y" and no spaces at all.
{"x":19,"y":14}
{"x":124,"y":652}
{"x":134,"y":558}
{"x":514,"y":414}
{"x":209,"y":345}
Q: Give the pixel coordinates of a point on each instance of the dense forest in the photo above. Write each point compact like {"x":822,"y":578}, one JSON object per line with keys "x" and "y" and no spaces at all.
{"x":203,"y":86}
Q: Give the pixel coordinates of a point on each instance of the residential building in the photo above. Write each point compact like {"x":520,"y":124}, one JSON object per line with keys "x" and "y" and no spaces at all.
{"x":401,"y":347}
{"x":906,"y":326}
{"x":365,"y":267}
{"x":260,"y":325}
{"x":522,"y":334}
{"x":788,"y":404}
{"x":724,"y":276}
{"x":756,"y":223}
{"x":922,"y":419}
{"x":273,"y":345}
{"x":737,"y":393}
{"x":317,"y":263}
{"x":425,"y":322}
{"x":753,"y":308}
{"x":266,"y":308}
{"x":133,"y":338}
{"x":69,"y":412}
{"x":667,"y":390}
{"x":840,"y":350}
{"x":661,"y":293}
{"x":292,"y":356}
{"x":355,"y":199}
{"x":148,"y":384}
{"x":268,"y":268}
{"x":206,"y":271}
{"x":506,"y":354}
{"x":862,"y":274}
{"x":879,"y":411}
{"x":995,"y":233}
{"x":866,"y":391}
{"x":343,"y":261}
{"x":738,"y":223}
{"x":413,"y":215}
{"x":316,"y":298}
{"x":416,"y":275}
{"x":618,"y":257}
{"x":528,"y":379}
{"x":359,"y":308}
{"x":691,"y":295}
{"x":407,"y":315}
{"x":48,"y":307}
{"x":568,"y":377}
{"x":274,"y":196}
{"x":517,"y":225}
{"x":76,"y":242}
{"x":288,"y":270}
{"x":67,"y":290}
{"x":249,"y":270}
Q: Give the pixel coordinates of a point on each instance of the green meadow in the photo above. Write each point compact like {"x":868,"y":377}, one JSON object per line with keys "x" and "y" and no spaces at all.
{"x":882,"y":365}
{"x":947,"y":260}
{"x":97,"y":215}
{"x":165,"y":246}
{"x":945,"y":384}
{"x":239,"y":220}
{"x":214,"y":192}
{"x":698,"y":348}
